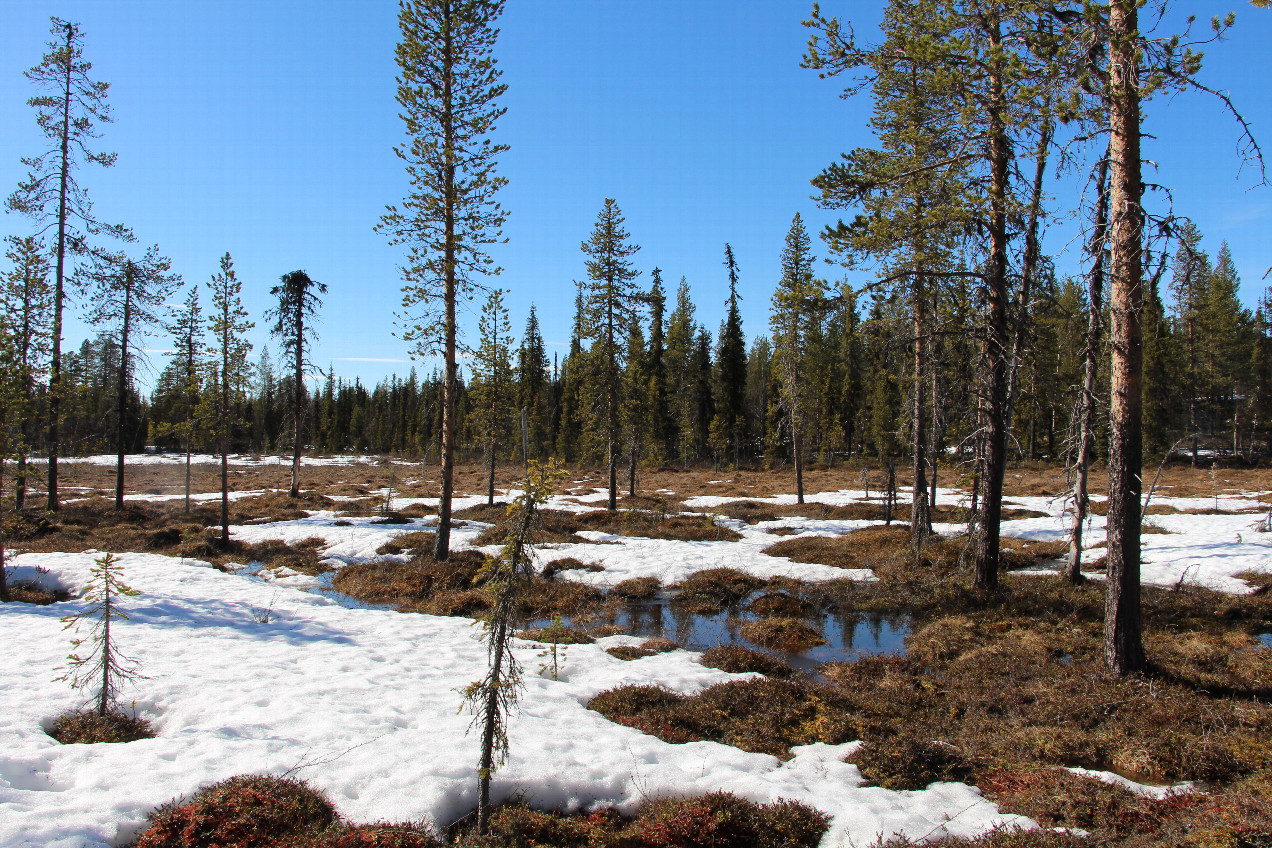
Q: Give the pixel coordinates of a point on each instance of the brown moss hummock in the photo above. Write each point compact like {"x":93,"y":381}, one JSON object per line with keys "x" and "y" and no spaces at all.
{"x":88,"y":727}
{"x":250,"y":811}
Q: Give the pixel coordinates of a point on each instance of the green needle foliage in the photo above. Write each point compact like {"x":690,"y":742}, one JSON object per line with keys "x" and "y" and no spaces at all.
{"x":494,"y":696}
{"x":104,"y":666}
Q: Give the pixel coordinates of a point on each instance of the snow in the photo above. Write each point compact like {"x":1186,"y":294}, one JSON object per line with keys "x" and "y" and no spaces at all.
{"x":1144,"y":789}
{"x":250,"y":460}
{"x":363,"y":703}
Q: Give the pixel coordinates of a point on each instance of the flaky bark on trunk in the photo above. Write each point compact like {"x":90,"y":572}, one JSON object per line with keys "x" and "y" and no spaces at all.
{"x":4,"y":579}
{"x":441,"y":548}
{"x":1123,"y":643}
{"x":920,"y":512}
{"x":490,"y":471}
{"x":994,"y":391}
{"x":55,"y":366}
{"x":1087,"y":408}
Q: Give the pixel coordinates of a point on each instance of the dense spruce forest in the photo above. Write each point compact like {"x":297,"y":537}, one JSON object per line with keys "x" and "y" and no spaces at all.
{"x":694,"y":396}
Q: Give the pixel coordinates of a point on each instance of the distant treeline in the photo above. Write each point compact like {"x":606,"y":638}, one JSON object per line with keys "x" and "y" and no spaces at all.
{"x":1208,"y":373}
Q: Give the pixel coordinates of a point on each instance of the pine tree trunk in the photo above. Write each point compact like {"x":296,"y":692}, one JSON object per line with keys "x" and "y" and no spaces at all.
{"x":299,"y":399}
{"x":1087,"y":409}
{"x":995,"y":388}
{"x":441,"y":548}
{"x":920,"y":513}
{"x":121,"y":395}
{"x":797,"y":448}
{"x":55,"y":366}
{"x":490,"y":471}
{"x":4,"y":581}
{"x":1123,"y":644}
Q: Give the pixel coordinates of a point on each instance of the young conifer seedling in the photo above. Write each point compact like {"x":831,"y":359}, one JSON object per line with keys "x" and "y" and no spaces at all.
{"x":104,"y":665}
{"x":495,"y":695}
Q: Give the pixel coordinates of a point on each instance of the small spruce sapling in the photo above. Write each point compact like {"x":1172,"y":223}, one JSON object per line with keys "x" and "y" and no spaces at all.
{"x":553,"y":652}
{"x":493,"y":697}
{"x":104,"y":666}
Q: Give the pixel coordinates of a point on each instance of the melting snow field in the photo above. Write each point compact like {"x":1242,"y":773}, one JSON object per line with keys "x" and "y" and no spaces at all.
{"x":364,"y":703}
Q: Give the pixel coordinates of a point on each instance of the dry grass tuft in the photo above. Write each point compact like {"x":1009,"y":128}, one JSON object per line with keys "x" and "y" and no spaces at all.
{"x":907,"y":762}
{"x":787,"y":634}
{"x":558,"y":635}
{"x":31,"y":592}
{"x":714,"y":589}
{"x":556,"y":566}
{"x":637,"y":588}
{"x":717,"y":820}
{"x":761,"y":714}
{"x":773,"y":604}
{"x":88,"y":727}
{"x":645,"y":649}
{"x":737,"y":659}
{"x":416,"y":541}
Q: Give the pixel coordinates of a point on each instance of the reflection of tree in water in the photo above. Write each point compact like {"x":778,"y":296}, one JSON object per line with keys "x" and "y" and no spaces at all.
{"x":644,"y":618}
{"x":875,"y":624}
{"x":847,"y":623}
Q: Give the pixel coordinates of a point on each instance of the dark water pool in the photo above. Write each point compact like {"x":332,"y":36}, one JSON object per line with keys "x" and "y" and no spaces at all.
{"x":1266,"y":639}
{"x":848,"y":637}
{"x":326,"y":590}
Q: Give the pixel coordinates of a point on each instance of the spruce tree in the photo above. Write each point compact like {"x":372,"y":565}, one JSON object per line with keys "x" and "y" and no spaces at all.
{"x":491,"y":384}
{"x":292,"y":323}
{"x":68,"y":113}
{"x":448,"y":88}
{"x":532,"y":386}
{"x":679,"y":365}
{"x":912,"y":190}
{"x":229,"y":325}
{"x":729,"y":423}
{"x":129,"y":295}
{"x":187,"y":330}
{"x":26,"y":301}
{"x":796,"y":303}
{"x":609,"y":298}
{"x":1190,"y":270}
{"x":661,"y":428}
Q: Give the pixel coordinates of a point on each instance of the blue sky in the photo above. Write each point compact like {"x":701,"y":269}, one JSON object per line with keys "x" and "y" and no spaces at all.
{"x":266,"y":129}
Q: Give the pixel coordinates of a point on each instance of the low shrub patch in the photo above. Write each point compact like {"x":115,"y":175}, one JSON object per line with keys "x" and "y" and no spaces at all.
{"x":645,"y":649}
{"x":417,"y":541}
{"x":714,"y":589}
{"x":30,"y":592}
{"x":787,"y":634}
{"x":250,"y":811}
{"x":761,"y":715}
{"x":779,"y":605}
{"x":569,"y":564}
{"x":559,"y":635}
{"x":86,"y":726}
{"x":381,"y":835}
{"x":907,"y":762}
{"x":637,"y":588}
{"x":737,"y":659}
{"x":722,"y":820}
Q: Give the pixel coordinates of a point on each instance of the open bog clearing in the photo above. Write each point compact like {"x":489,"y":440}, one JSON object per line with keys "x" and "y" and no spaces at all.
{"x":326,"y":645}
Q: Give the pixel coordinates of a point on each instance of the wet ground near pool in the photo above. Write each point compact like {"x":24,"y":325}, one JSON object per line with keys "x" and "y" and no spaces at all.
{"x":848,"y":637}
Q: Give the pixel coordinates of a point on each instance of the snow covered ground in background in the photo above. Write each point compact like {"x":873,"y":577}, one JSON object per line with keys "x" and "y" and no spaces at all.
{"x":364,"y":702}
{"x":249,"y":460}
